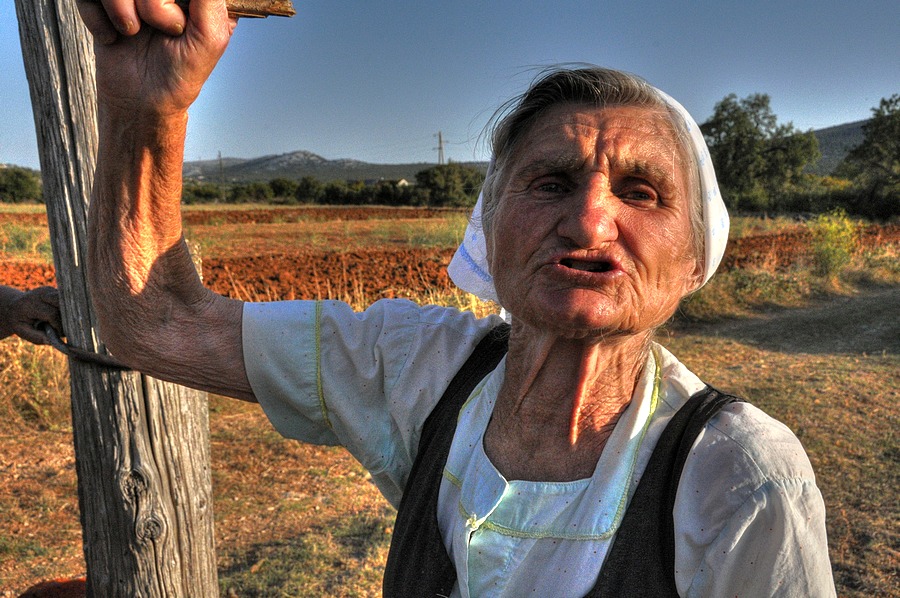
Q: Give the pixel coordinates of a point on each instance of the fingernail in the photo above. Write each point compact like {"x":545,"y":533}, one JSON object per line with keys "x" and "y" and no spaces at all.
{"x":124,"y":26}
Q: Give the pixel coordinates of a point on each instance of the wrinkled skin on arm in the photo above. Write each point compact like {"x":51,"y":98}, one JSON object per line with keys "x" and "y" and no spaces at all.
{"x":154,"y":313}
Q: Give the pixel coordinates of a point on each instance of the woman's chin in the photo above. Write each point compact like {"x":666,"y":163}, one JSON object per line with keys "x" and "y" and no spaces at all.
{"x":577,"y":319}
{"x":581,"y":313}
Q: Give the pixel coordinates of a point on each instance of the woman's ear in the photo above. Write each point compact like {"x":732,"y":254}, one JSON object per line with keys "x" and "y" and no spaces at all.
{"x":487,"y":230}
{"x":697,"y":275}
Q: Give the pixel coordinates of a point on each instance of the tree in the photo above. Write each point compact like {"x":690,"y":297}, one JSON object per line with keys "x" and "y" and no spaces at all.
{"x":874,"y":165}
{"x":389,"y":193}
{"x":334,"y":193}
{"x":201,"y":192}
{"x":451,"y":184}
{"x":283,"y":188}
{"x":309,"y":190}
{"x":255,"y":192}
{"x":755,"y":157}
{"x":19,"y":185}
{"x":878,"y":156}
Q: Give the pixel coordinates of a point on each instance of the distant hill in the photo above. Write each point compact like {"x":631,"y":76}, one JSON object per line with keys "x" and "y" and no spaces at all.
{"x":835,"y":143}
{"x":296,"y":165}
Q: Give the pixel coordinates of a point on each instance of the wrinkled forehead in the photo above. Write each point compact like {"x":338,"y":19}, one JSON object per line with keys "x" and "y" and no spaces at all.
{"x":573,"y":134}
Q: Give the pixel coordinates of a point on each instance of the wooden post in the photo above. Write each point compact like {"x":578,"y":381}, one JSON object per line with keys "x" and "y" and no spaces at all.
{"x":141,"y":446}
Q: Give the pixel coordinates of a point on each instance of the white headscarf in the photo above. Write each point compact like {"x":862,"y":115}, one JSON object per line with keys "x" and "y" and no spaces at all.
{"x":469,"y":267}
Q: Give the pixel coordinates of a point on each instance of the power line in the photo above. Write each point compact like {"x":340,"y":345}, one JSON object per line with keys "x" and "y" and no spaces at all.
{"x":440,"y":148}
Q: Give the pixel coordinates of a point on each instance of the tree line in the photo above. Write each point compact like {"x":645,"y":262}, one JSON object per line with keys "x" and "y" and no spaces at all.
{"x":447,"y":185}
{"x":762,"y":166}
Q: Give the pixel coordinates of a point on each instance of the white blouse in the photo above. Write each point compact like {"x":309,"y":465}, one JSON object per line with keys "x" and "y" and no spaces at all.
{"x":749,"y":519}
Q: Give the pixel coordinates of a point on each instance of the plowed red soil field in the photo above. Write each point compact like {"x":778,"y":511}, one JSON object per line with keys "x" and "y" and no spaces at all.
{"x":381,"y":272}
{"x":785,"y":248}
{"x":276,"y":214}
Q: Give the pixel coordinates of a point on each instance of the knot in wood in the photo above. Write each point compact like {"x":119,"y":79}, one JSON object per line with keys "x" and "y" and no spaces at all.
{"x":149,"y":529}
{"x":134,"y":485}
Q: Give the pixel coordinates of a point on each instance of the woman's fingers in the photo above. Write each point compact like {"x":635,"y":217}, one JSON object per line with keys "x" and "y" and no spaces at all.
{"x":106,"y":19}
{"x":164,"y":15}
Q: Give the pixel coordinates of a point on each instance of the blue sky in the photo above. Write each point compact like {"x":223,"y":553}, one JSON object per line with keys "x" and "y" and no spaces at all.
{"x":376,"y":81}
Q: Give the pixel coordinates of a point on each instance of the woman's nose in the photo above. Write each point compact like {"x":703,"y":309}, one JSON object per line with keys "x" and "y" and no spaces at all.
{"x":590,"y":216}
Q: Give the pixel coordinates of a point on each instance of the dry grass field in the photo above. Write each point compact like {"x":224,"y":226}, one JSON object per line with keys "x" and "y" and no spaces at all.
{"x":819,"y":350}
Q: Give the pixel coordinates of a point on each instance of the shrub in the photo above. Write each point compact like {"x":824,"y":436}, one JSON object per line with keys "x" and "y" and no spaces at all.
{"x":255,"y":192}
{"x":194,"y":193}
{"x":834,"y":239}
{"x":284,"y":191}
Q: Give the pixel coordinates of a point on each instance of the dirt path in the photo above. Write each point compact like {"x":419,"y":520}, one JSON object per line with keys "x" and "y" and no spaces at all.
{"x":864,"y":323}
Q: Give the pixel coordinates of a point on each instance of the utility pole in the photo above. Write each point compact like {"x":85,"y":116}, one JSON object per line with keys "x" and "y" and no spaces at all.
{"x":141,"y":445}
{"x":440,"y":148}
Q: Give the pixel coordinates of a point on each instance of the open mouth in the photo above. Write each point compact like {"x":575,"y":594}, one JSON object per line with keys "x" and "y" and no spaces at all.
{"x":588,"y":266}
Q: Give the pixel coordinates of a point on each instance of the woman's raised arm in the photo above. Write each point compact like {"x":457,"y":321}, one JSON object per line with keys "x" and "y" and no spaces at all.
{"x":154,"y":312}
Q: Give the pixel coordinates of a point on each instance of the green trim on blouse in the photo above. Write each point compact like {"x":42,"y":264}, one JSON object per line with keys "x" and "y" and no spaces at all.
{"x":319,"y":391}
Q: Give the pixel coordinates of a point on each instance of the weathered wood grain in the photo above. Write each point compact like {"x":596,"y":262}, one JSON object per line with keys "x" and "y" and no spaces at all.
{"x":250,"y":8}
{"x":141,"y":445}
{"x":260,"y":8}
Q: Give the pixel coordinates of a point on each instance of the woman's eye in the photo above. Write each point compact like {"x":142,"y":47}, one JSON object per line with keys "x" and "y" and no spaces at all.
{"x":551,"y":187}
{"x":639,"y":193}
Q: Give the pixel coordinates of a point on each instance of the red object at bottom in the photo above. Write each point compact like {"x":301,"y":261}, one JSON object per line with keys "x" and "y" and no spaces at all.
{"x":58,"y":588}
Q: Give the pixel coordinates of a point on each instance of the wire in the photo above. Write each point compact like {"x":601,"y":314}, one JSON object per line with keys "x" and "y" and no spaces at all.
{"x":79,"y":354}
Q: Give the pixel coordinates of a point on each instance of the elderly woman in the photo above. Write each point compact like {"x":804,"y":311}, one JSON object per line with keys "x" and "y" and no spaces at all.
{"x":565,"y":455}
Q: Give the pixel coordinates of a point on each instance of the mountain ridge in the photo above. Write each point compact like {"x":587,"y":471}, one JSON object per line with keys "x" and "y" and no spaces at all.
{"x":301,"y":163}
{"x":834,"y":143}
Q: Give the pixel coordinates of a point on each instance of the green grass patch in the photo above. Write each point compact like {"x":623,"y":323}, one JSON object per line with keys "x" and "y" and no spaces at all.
{"x":25,"y":241}
{"x":875,"y":266}
{"x":740,"y":292}
{"x":19,"y":548}
{"x":216,"y":207}
{"x":428,"y":233}
{"x":241,"y":240}
{"x":343,"y":558}
{"x":22,"y":208}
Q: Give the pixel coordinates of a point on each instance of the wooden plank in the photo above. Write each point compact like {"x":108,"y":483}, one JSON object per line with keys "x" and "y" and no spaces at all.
{"x":250,"y":8}
{"x":258,"y":8}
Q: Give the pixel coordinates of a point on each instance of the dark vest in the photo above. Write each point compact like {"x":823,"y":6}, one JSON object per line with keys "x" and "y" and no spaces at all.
{"x":641,"y":561}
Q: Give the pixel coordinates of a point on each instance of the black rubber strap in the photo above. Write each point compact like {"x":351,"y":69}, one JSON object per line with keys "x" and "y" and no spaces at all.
{"x":418,"y":564}
{"x":641,"y":561}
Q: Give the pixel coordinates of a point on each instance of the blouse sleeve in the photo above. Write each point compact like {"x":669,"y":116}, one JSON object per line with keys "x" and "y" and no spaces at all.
{"x":367,"y":380}
{"x":749,"y":519}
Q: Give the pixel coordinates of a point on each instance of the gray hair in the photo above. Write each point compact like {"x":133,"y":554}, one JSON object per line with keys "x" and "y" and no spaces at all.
{"x":592,"y":86}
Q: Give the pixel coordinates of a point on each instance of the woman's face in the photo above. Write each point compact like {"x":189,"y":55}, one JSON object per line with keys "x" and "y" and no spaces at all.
{"x":591,"y":235}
